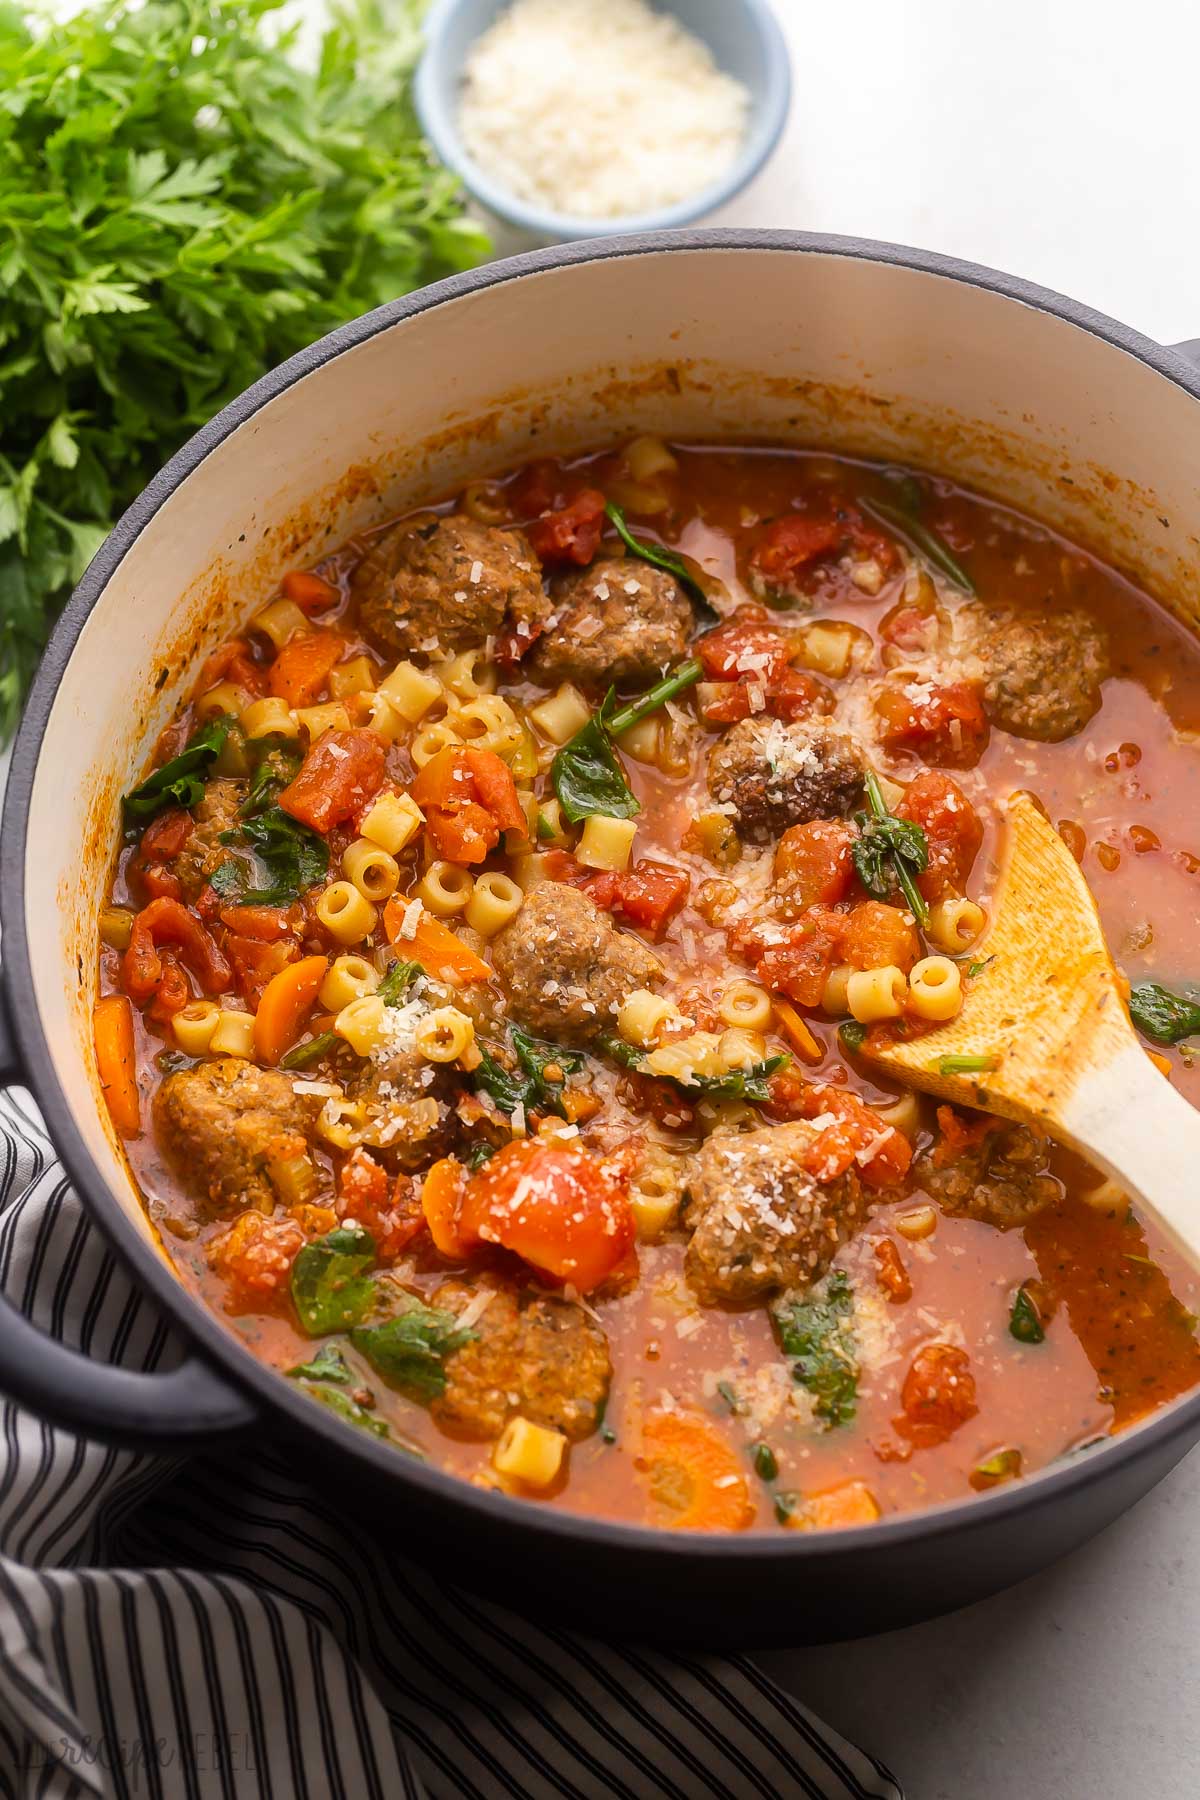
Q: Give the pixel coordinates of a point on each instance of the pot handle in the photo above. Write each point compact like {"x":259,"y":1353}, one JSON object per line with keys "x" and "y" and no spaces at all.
{"x":1190,"y":348}
{"x":136,"y":1408}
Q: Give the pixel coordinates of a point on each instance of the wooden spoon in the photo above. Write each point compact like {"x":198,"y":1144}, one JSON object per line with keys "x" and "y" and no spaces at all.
{"x":1048,"y":1013}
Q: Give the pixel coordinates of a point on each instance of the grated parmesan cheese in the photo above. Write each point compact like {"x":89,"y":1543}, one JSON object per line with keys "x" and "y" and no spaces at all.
{"x":653,"y":121}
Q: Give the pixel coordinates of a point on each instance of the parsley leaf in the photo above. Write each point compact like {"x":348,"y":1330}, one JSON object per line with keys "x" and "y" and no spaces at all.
{"x":187,"y":200}
{"x":1161,"y":1015}
{"x":180,"y":782}
{"x":293,"y":857}
{"x":816,"y":1332}
{"x":410,"y":1349}
{"x":276,"y":767}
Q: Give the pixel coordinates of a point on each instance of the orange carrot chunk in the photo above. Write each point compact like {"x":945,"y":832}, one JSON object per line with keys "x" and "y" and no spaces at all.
{"x":437,"y":949}
{"x":696,"y":1479}
{"x":116,"y":1062}
{"x":300,"y":673}
{"x":287,"y":1000}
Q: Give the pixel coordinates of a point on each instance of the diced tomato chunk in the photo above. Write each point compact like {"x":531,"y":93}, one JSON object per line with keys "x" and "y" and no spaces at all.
{"x":233,"y":662}
{"x":858,"y":1138}
{"x":746,"y":644}
{"x":952,"y":828}
{"x":165,"y":836}
{"x":877,"y":934}
{"x":813,"y":864}
{"x":943,"y":724}
{"x":791,"y":544}
{"x":894,"y":1278}
{"x":960,"y":1132}
{"x":571,"y":535}
{"x":938,"y":1395}
{"x":560,"y":1209}
{"x":341,"y":770}
{"x":389,"y":1209}
{"x":800,"y":963}
{"x":255,"y":1255}
{"x":167,"y":921}
{"x":267,"y":923}
{"x":911,"y":627}
{"x":311,"y":593}
{"x":650,"y":893}
{"x":468,"y":797}
{"x":255,"y":963}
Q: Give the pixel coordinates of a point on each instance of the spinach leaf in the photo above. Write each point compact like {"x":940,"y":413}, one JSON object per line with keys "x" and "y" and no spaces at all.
{"x":816,"y":1333}
{"x":853,"y":1034}
{"x":277,"y":765}
{"x":1162,"y":1015}
{"x":528,"y":1085}
{"x":1002,"y":1465}
{"x":885,"y":838}
{"x":396,"y":983}
{"x":736,"y":1084}
{"x":330,"y":1287}
{"x":180,"y":782}
{"x":1024,"y":1321}
{"x":327,"y":1365}
{"x":663,"y":559}
{"x":293,"y":857}
{"x":920,"y":538}
{"x":410,"y":1349}
{"x":348,"y":1409}
{"x":302,"y":1056}
{"x":587,"y":774}
{"x":479,"y":1153}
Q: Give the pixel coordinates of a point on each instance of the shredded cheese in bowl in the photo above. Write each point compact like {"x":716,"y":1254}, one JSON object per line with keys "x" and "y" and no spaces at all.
{"x":599,"y":108}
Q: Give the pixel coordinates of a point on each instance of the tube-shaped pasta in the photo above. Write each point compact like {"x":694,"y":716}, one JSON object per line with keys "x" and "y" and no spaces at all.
{"x":874,"y":994}
{"x":234,"y":1034}
{"x":281,"y":621}
{"x":655,"y":1191}
{"x":605,"y":843}
{"x":935,"y":988}
{"x":270,"y":717}
{"x":412,"y":691}
{"x":955,"y":923}
{"x":740,"y":1049}
{"x":641,"y":1016}
{"x":340,"y":1121}
{"x":393,"y":822}
{"x":562,"y":715}
{"x":317,"y":719}
{"x":745,"y":1004}
{"x":679,"y":1060}
{"x":484,"y":501}
{"x":529,"y":870}
{"x":357,"y":676}
{"x":430,"y":739}
{"x":226,"y":697}
{"x":445,"y":889}
{"x":834,"y":1000}
{"x":374,"y":872}
{"x":381,"y":716}
{"x":490,"y":723}
{"x":444,"y":1035}
{"x":647,"y":457}
{"x":347,"y":978}
{"x":640,"y":497}
{"x":904,"y":1113}
{"x":194,"y":1025}
{"x":529,"y":1453}
{"x":469,"y":674}
{"x":361,"y":1023}
{"x":494,"y":903}
{"x":345,"y":913}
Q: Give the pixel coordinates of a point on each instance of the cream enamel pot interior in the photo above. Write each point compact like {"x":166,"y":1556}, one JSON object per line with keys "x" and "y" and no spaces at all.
{"x":717,"y":335}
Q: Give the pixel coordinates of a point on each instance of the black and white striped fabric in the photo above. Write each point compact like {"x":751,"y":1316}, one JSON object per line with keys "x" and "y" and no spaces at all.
{"x":212,"y":1627}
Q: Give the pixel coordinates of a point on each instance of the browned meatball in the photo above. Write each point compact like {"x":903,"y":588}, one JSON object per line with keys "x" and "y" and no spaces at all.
{"x":620,"y":622}
{"x":1041,"y":671}
{"x":216,"y":812}
{"x":544,"y":1358}
{"x":221,"y":1126}
{"x":1005,"y":1180}
{"x":446,"y":585}
{"x":564,"y":968}
{"x":776,"y":775}
{"x":759,"y":1220}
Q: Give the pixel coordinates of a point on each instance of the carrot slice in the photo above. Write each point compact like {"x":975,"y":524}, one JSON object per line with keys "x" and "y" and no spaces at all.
{"x":437,"y":949}
{"x":287,"y":1000}
{"x":796,"y":1031}
{"x":311,"y":593}
{"x":117,"y":1062}
{"x":851,"y":1504}
{"x":695,"y":1478}
{"x":441,"y":1195}
{"x":300,"y":673}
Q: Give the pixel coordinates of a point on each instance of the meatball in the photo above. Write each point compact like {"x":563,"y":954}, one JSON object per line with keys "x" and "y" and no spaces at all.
{"x":539,"y":1356}
{"x":1041,"y":672}
{"x":1003,"y":1180}
{"x":618,"y":622}
{"x":446,"y":585}
{"x":216,"y":812}
{"x":563,"y":966}
{"x":759,"y":1219}
{"x":409,"y":1119}
{"x":222,"y":1124}
{"x":776,"y":775}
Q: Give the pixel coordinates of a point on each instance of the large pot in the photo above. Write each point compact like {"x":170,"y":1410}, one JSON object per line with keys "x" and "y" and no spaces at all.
{"x":703,"y":335}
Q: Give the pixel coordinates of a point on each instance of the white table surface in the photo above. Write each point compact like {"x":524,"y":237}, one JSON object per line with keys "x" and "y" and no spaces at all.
{"x":1054,"y":139}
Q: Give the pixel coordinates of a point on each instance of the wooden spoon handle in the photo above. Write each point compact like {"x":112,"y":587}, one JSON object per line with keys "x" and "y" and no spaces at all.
{"x":1128,"y":1119}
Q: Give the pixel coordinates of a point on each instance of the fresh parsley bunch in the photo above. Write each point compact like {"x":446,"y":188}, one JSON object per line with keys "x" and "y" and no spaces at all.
{"x":183,"y":203}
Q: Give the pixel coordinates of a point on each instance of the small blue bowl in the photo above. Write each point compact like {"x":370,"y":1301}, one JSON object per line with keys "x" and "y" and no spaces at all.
{"x":746,"y":43}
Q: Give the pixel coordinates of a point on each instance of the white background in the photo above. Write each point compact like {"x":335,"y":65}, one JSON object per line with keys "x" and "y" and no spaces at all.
{"x":1056,"y":140}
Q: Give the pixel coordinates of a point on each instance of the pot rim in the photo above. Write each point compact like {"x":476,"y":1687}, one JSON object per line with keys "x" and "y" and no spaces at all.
{"x":187,"y":1314}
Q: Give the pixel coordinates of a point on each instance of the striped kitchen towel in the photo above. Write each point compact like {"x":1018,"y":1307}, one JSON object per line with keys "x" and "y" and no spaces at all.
{"x":213,"y":1627}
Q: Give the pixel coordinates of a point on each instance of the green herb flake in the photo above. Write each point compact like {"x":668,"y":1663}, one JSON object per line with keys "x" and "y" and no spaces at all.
{"x":1002,"y":1465}
{"x":1024,"y":1321}
{"x":852,"y":1034}
{"x":766,"y":1463}
{"x":179,"y":782}
{"x":967,"y":1065}
{"x":1161,"y":1015}
{"x":478,"y":1155}
{"x":410,"y":1349}
{"x":729,"y":1396}
{"x":816,"y":1334}
{"x":331,"y":1289}
{"x":786,"y":1503}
